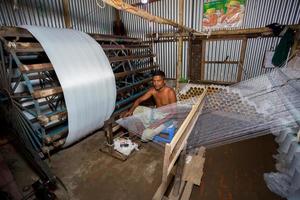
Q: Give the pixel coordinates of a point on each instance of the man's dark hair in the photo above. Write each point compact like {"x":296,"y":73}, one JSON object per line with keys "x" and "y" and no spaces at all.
{"x":159,"y":73}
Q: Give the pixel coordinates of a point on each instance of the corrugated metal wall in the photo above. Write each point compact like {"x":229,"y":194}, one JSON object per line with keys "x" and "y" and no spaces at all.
{"x":257,"y":14}
{"x":86,"y":15}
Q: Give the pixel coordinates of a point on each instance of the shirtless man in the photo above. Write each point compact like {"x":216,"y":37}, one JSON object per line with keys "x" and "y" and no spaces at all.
{"x":163,"y":95}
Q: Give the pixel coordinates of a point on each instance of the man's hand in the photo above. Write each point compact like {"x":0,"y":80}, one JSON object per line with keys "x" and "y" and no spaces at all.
{"x":127,"y":114}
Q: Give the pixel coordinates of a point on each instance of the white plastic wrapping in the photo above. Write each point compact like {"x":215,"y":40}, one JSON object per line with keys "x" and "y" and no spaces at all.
{"x":85,"y":75}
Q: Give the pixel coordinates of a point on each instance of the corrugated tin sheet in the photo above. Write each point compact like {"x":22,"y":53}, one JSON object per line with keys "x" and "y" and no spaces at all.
{"x":88,"y":17}
{"x":33,"y":12}
{"x":85,"y":14}
{"x":257,"y":14}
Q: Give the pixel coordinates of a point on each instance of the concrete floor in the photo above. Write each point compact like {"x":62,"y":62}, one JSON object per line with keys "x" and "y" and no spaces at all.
{"x":231,"y":172}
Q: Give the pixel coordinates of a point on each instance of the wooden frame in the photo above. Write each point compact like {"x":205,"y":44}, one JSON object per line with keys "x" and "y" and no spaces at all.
{"x":173,"y":149}
{"x":203,"y":61}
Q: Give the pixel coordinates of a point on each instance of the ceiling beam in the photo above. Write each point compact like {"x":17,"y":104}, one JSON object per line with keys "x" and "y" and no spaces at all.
{"x":120,"y":5}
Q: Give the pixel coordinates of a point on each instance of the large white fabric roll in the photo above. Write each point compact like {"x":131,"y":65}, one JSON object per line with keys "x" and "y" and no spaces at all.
{"x":85,"y":75}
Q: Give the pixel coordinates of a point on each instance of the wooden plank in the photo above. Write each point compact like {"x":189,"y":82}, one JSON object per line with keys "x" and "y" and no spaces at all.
{"x":36,"y":68}
{"x":183,"y":140}
{"x":128,"y":58}
{"x":44,"y":120}
{"x":242,"y":58}
{"x":187,"y":191}
{"x":163,"y":186}
{"x":28,"y":47}
{"x":166,"y":163}
{"x":173,"y":149}
{"x":115,"y":38}
{"x":180,"y":139}
{"x":46,"y":92}
{"x":107,"y":47}
{"x":6,"y":31}
{"x":193,"y":170}
{"x":127,"y":73}
{"x":202,"y":65}
{"x":186,"y":122}
{"x":237,"y":33}
{"x":176,"y":197}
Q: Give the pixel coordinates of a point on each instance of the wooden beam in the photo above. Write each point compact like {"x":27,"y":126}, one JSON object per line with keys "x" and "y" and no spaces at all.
{"x":174,"y":148}
{"x":107,"y":47}
{"x":36,"y":68}
{"x":180,"y":44}
{"x":249,"y":33}
{"x":120,"y":5}
{"x":46,"y":92}
{"x":242,"y":58}
{"x":202,"y":66}
{"x":127,"y":73}
{"x":183,"y":132}
{"x":125,"y":58}
{"x":103,"y":37}
{"x":28,"y":47}
{"x":45,"y":119}
{"x":6,"y":31}
{"x":66,"y":12}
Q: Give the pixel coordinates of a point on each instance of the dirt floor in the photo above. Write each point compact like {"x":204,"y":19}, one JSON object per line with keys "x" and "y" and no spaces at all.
{"x":231,"y":172}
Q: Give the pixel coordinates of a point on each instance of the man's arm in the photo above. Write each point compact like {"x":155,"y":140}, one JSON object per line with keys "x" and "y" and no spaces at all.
{"x":172,"y":96}
{"x":137,"y":102}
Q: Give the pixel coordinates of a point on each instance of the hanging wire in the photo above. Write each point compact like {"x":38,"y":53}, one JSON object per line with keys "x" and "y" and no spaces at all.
{"x":98,"y":2}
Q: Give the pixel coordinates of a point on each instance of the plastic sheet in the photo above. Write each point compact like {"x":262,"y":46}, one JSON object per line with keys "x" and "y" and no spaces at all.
{"x":85,"y":75}
{"x":152,"y":121}
{"x":266,"y":104}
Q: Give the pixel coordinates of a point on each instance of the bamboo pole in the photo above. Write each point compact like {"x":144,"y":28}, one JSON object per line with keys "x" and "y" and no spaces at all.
{"x":120,"y":5}
{"x":180,"y":44}
{"x":66,"y":11}
{"x":250,"y":32}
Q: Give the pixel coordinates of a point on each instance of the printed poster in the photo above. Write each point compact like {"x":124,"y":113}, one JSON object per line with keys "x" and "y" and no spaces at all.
{"x":219,"y":14}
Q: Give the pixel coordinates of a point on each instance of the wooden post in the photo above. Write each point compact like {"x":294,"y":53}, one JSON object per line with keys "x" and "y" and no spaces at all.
{"x":180,"y":44}
{"x":202,"y":69}
{"x":242,"y":58}
{"x":67,"y":16}
{"x":189,"y":58}
{"x":178,"y":143}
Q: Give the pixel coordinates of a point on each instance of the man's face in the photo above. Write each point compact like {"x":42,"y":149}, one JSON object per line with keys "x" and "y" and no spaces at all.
{"x":158,"y":82}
